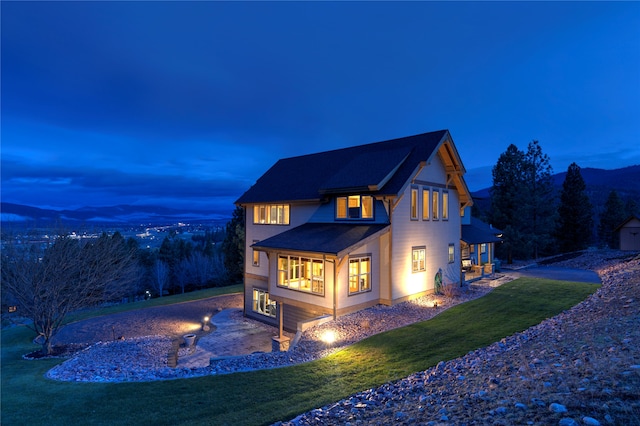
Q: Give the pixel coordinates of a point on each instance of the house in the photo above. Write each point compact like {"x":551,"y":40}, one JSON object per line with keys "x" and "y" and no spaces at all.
{"x":338,"y":231}
{"x":478,"y":244}
{"x":629,"y":232}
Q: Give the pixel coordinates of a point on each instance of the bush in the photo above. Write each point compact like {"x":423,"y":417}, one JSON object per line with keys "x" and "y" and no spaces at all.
{"x":451,"y":291}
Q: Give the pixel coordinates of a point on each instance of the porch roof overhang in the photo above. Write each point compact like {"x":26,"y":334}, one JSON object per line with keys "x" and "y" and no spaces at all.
{"x":474,"y":235}
{"x":334,"y":239}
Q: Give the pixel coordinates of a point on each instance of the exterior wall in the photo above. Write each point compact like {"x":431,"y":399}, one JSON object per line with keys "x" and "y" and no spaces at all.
{"x":630,"y":235}
{"x":299,"y":214}
{"x":346,"y":301}
{"x":434,"y":235}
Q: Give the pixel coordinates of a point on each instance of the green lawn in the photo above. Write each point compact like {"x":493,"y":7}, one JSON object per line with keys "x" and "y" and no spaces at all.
{"x":263,"y":397}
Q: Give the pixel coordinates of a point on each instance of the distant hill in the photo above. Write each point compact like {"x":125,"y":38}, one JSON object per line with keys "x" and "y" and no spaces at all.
{"x":18,"y":214}
{"x":600,"y":182}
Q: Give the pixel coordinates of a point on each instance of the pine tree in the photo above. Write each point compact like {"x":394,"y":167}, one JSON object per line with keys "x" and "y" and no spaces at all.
{"x":540,"y":199}
{"x":575,"y":221}
{"x":507,"y":199}
{"x":614,"y":214}
{"x":233,"y":246}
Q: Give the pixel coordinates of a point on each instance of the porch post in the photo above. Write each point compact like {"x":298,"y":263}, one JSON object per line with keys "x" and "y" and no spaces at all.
{"x":281,"y":319}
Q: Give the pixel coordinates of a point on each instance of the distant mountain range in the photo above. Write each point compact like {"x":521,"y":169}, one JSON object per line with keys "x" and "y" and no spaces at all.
{"x":122,"y":214}
{"x":599,"y":182}
{"x":625,"y":181}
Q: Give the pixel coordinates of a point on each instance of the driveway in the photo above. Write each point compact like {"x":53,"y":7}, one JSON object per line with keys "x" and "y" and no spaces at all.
{"x":557,"y":273}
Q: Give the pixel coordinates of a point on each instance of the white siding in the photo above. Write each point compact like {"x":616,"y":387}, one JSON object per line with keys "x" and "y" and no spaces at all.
{"x":434,"y":235}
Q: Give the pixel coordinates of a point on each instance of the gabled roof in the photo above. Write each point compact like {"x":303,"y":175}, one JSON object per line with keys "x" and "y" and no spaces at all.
{"x":324,"y":238}
{"x":381,"y":168}
{"x":479,"y":232}
{"x":626,"y":221}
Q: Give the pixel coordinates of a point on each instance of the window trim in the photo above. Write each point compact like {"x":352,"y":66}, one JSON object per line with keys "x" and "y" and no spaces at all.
{"x":270,"y":306}
{"x":435,"y":204}
{"x":256,"y":255}
{"x":284,"y":275}
{"x":445,"y":205}
{"x":360,"y":207}
{"x":267,"y":209}
{"x":415,"y":263}
{"x":426,"y":204}
{"x":360,"y":274}
{"x":414,"y":203}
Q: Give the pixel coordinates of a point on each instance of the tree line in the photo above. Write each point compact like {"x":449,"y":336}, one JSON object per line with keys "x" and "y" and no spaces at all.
{"x":47,"y":283}
{"x":536,"y":220}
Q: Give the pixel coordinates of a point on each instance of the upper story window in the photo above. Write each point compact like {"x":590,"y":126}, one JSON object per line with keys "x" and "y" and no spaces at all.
{"x":425,"y":204}
{"x":414,"y":203}
{"x":445,"y":205}
{"x":301,"y":273}
{"x":271,"y":214}
{"x":354,"y":207}
{"x":435,"y":205}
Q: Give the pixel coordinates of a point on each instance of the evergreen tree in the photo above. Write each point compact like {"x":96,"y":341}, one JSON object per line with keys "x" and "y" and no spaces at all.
{"x":614,"y":214}
{"x":233,"y":246}
{"x":540,"y":205}
{"x":507,"y":199}
{"x":575,"y":221}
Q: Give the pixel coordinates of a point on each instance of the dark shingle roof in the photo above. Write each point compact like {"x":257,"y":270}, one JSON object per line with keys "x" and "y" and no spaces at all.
{"x":382,"y":168}
{"x":326,"y":238}
{"x":479,"y":232}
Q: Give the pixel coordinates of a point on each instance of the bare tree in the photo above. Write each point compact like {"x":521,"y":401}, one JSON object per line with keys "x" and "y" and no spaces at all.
{"x":201,"y":269}
{"x":160,"y":276}
{"x":68,"y":276}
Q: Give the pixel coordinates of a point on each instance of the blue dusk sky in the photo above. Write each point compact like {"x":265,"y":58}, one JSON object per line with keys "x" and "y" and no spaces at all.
{"x":186,"y":104}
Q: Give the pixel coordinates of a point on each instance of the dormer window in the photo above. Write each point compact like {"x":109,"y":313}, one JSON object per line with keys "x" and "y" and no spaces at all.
{"x":354,"y":207}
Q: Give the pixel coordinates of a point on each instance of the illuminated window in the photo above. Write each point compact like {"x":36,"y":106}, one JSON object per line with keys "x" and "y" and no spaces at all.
{"x":445,"y":205}
{"x":414,"y":203}
{"x":418,"y":256}
{"x":425,"y":204}
{"x":359,"y":274}
{"x":483,"y":248}
{"x":262,"y":304}
{"x":452,"y":253}
{"x":301,"y":273}
{"x":354,"y":207}
{"x":271,"y":214}
{"x":256,"y":256}
{"x":435,"y":205}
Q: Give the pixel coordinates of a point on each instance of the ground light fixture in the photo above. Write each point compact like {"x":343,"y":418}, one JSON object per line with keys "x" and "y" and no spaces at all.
{"x":328,"y":337}
{"x":205,"y":323}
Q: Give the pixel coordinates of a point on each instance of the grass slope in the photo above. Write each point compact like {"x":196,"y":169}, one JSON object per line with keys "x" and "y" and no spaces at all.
{"x":263,"y":397}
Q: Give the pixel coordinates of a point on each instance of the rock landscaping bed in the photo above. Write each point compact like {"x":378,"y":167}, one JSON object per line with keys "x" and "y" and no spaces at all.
{"x":581,"y":367}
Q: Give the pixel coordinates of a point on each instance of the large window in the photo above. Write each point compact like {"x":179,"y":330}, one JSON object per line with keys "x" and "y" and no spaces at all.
{"x":354,"y":207}
{"x":452,"y":253}
{"x":435,"y":205}
{"x":271,"y":214}
{"x":262,"y":304}
{"x":301,"y":273}
{"x":425,"y":204}
{"x":359,"y":274}
{"x":418,"y":256}
{"x":445,"y":205}
{"x":414,"y":203}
